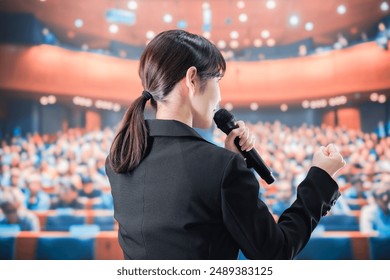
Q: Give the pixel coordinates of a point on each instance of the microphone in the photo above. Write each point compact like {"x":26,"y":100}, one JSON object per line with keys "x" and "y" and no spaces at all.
{"x":226,"y":122}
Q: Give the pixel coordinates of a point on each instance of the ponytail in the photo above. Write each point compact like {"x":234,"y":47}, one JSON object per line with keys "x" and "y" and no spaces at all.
{"x":130,"y":143}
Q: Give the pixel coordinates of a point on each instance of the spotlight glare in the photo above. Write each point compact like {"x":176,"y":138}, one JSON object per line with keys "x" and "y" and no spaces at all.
{"x":78,"y":23}
{"x":167,"y":18}
{"x":270,"y":4}
{"x":384,"y":6}
{"x":294,"y":20}
{"x":243,"y":17}
{"x":265,"y":34}
{"x":132,"y":5}
{"x":309,"y":26}
{"x":114,"y":28}
{"x":341,"y":9}
{"x":234,"y":35}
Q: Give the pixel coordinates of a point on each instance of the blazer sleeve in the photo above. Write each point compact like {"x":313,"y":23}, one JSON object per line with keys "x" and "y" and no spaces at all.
{"x":252,"y":226}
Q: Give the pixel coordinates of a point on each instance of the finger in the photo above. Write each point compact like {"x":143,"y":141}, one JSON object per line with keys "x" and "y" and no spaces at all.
{"x":244,"y":136}
{"x":249,"y":144}
{"x":323,"y":150}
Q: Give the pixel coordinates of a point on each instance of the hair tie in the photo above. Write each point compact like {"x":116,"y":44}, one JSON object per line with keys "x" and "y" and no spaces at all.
{"x":147,"y":95}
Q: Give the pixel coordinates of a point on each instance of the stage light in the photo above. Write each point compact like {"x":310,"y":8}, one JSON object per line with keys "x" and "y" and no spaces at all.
{"x":221,"y":44}
{"x":265,"y":34}
{"x":309,"y":26}
{"x":150,"y":35}
{"x":283,"y":107}
{"x":234,"y":44}
{"x":234,"y":35}
{"x":132,"y":5}
{"x":374,"y":97}
{"x":243,"y":17}
{"x":305,"y":104}
{"x":271,"y":42}
{"x":382,"y":98}
{"x":270,"y":4}
{"x":254,"y":106}
{"x":240,"y":4}
{"x":78,"y":23}
{"x":51,"y":99}
{"x":257,"y":43}
{"x":114,"y":28}
{"x":341,"y":9}
{"x":167,"y":18}
{"x":43,"y":100}
{"x":384,"y":6}
{"x":294,"y":20}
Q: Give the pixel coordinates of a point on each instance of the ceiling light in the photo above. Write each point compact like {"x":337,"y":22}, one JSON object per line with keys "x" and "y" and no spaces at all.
{"x":221,"y":44}
{"x":306,"y":104}
{"x":265,"y":34}
{"x":382,"y":98}
{"x":283,"y":107}
{"x":43,"y":100}
{"x":240,"y":4}
{"x":78,"y":23}
{"x":114,"y":28}
{"x":294,"y":20}
{"x":384,"y":6}
{"x":234,"y":35}
{"x":271,"y":42}
{"x":132,"y":5}
{"x":243,"y":17}
{"x":271,"y":4}
{"x":150,"y":35}
{"x":254,"y":106}
{"x":309,"y":26}
{"x":234,"y":44}
{"x":206,"y":5}
{"x":167,"y":18}
{"x":341,"y":9}
{"x":374,"y":97}
{"x":257,"y":43}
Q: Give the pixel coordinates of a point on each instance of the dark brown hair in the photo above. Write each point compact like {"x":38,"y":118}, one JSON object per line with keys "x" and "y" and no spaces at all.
{"x":163,"y":64}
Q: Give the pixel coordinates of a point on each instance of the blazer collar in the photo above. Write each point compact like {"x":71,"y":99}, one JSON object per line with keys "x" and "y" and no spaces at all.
{"x":171,"y":128}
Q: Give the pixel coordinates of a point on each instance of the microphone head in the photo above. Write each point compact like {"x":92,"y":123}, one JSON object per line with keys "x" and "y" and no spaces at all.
{"x":224,"y":121}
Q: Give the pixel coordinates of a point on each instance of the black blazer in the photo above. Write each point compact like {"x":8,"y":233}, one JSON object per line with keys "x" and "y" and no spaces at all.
{"x":189,"y":199}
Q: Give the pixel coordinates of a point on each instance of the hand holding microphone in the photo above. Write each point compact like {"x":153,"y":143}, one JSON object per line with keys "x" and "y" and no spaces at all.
{"x":243,"y":143}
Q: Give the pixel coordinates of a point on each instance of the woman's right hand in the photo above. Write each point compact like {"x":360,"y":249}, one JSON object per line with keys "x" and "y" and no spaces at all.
{"x":329,"y":159}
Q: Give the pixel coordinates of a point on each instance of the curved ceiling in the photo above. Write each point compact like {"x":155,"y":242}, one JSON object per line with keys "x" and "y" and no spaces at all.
{"x":59,"y":16}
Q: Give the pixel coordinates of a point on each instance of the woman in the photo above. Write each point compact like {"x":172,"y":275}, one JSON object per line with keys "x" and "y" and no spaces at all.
{"x":176,"y":196}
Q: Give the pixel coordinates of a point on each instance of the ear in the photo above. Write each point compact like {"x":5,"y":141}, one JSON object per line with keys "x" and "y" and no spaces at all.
{"x":191,"y":80}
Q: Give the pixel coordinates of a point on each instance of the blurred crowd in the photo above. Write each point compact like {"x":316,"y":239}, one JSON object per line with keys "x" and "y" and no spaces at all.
{"x":66,"y":170}
{"x":42,"y":172}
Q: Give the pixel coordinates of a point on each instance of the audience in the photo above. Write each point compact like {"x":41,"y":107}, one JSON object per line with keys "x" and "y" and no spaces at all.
{"x":67,"y":170}
{"x":12,"y":204}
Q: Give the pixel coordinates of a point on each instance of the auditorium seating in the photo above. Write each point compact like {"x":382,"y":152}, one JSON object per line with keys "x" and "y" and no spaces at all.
{"x":331,"y":248}
{"x":65,"y":248}
{"x":379,"y":248}
{"x":340,"y":223}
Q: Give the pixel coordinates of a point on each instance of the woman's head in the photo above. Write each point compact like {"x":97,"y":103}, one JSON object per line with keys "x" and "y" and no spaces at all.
{"x":171,"y":58}
{"x":168,"y":57}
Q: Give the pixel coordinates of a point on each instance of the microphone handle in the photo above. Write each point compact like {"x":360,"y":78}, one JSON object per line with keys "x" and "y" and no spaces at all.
{"x":253,"y":160}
